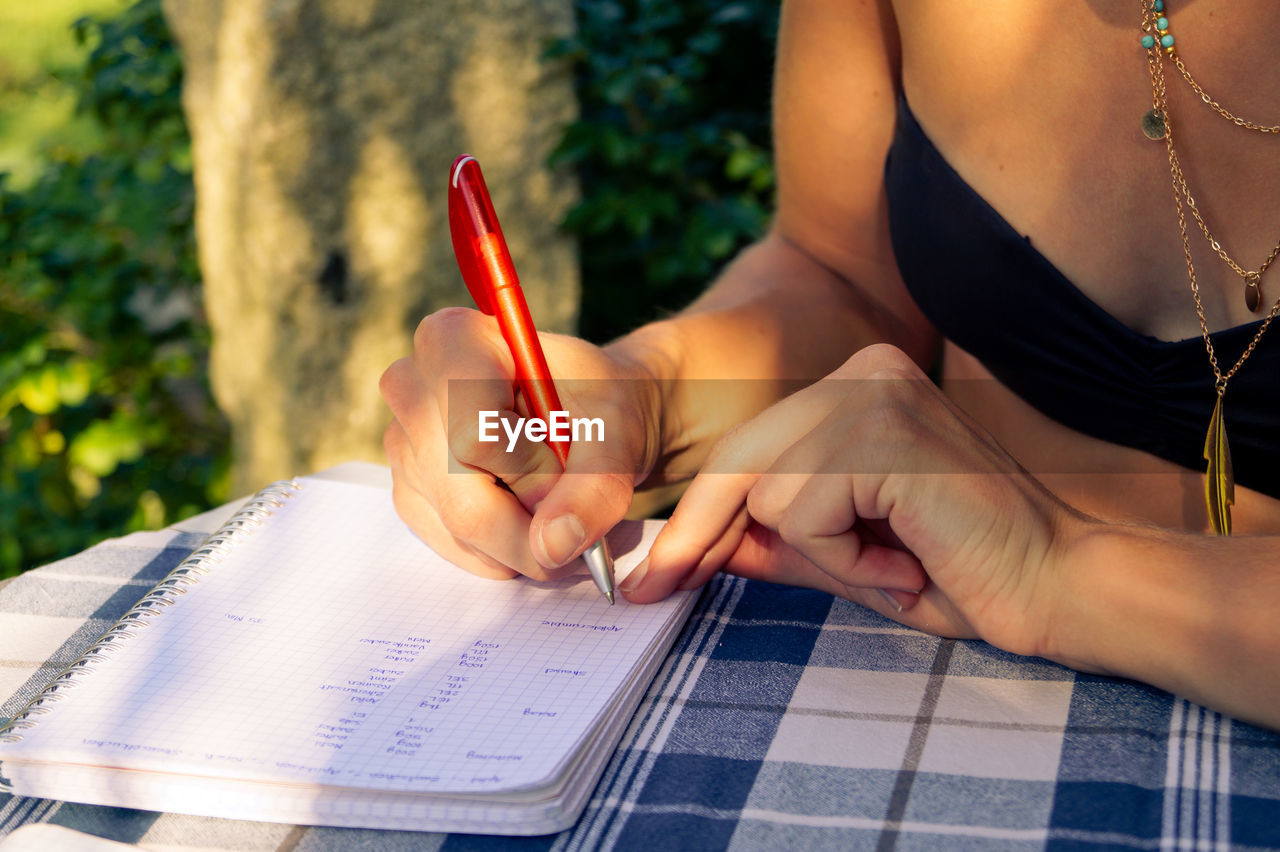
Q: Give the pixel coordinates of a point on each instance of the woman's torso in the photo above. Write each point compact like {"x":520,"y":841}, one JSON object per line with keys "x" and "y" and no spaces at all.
{"x":1037,"y":107}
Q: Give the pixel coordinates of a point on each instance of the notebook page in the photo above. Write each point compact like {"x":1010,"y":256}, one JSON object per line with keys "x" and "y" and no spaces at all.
{"x":332,"y":647}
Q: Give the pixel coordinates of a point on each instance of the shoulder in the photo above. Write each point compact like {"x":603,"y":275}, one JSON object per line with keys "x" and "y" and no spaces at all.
{"x":836,"y":87}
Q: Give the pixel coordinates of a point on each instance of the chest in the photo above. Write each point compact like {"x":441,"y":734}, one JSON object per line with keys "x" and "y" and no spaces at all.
{"x":1038,"y":107}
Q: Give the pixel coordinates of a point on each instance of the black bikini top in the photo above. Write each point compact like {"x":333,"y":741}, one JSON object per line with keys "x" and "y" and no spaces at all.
{"x":973,"y":276}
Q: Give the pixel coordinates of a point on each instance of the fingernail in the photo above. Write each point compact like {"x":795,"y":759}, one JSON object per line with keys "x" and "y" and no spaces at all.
{"x":632,"y":581}
{"x":893,"y":602}
{"x":561,"y":539}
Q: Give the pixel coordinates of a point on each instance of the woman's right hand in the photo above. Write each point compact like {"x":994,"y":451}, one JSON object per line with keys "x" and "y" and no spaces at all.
{"x":498,"y":513}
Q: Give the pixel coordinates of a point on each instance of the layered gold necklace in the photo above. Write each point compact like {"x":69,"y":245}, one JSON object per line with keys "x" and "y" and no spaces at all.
{"x":1219,"y":486}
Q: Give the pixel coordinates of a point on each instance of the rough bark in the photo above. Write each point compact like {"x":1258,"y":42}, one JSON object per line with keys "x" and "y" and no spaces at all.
{"x":322,"y":133}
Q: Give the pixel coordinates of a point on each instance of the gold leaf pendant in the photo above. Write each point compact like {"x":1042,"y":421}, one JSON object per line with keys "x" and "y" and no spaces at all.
{"x":1219,"y":481}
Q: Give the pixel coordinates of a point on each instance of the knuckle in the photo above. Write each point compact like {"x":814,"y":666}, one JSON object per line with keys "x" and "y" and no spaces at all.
{"x":486,"y":566}
{"x":406,"y":502}
{"x":896,"y":378}
{"x":445,"y":322}
{"x":464,"y":517}
{"x":886,"y":424}
{"x":394,"y":379}
{"x":531,"y":487}
{"x":890,"y":393}
{"x":463,"y":441}
{"x":886,"y":435}
{"x":393,"y":439}
{"x":762,"y":507}
{"x":879,"y":356}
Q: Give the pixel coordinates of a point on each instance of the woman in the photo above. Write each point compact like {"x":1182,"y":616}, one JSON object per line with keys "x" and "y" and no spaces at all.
{"x":1050,"y":497}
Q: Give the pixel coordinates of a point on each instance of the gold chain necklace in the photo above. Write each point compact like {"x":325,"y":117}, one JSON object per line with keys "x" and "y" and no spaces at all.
{"x":1156,"y":38}
{"x":1219,"y":486}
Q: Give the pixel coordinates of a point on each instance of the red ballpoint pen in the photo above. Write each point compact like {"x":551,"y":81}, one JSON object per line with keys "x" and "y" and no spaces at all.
{"x":490,"y":276}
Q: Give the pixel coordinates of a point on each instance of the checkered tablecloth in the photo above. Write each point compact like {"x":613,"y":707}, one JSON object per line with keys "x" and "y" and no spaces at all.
{"x":783,"y":719}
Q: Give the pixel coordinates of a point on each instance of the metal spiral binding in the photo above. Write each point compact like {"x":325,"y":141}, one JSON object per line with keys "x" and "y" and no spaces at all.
{"x":203,"y":559}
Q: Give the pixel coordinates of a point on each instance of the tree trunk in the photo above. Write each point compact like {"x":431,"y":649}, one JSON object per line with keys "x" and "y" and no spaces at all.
{"x":322,"y":134}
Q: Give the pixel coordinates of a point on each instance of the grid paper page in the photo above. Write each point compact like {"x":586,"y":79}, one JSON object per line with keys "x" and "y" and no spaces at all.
{"x":332,"y":647}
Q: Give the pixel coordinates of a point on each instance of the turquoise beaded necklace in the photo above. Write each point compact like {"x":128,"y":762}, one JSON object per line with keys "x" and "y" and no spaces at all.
{"x":1162,"y":29}
{"x":1219,"y":484}
{"x":1155,"y":31}
{"x":1155,"y":125}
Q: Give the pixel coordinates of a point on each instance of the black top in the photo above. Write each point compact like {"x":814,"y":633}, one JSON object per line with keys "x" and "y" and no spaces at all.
{"x":988,"y":290}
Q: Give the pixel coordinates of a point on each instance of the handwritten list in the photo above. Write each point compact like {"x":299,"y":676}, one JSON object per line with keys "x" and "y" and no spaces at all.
{"x":315,"y":655}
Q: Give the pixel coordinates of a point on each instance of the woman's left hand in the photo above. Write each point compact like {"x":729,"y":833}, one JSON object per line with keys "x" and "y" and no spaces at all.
{"x":871,"y":484}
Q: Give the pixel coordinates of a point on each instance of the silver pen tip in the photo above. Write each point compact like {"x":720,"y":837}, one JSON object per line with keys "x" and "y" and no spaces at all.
{"x":600,"y":563}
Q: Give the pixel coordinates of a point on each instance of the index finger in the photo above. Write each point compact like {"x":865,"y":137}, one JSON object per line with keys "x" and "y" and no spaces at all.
{"x":704,"y":530}
{"x":711,"y":517}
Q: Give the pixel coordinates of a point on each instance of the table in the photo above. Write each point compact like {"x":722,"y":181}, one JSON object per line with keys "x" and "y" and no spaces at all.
{"x":782,"y":718}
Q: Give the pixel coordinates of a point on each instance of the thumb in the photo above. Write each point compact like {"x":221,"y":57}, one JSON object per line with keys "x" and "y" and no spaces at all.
{"x":586,"y":502}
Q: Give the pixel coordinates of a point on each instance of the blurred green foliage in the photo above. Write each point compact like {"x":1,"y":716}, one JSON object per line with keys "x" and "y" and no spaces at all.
{"x":106,"y":421}
{"x":672,"y":149}
{"x":38,"y":55}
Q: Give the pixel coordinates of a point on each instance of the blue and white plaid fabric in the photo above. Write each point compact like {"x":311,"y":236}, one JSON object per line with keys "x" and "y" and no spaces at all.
{"x":783,"y":719}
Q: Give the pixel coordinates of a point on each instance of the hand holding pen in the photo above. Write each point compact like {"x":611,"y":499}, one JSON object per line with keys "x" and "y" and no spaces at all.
{"x":490,"y":276}
{"x":498,"y":514}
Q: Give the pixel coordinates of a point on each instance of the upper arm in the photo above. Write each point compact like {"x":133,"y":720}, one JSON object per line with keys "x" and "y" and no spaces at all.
{"x":834,"y":107}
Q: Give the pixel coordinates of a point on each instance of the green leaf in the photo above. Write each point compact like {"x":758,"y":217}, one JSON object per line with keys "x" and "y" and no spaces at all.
{"x":38,"y":391}
{"x":74,"y":382}
{"x":106,"y":444}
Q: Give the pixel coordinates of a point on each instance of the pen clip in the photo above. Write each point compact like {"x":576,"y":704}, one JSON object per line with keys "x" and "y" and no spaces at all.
{"x":461,"y":232}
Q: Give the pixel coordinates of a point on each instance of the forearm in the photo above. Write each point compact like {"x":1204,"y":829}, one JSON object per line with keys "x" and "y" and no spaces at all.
{"x":775,"y":320}
{"x":1192,"y":614}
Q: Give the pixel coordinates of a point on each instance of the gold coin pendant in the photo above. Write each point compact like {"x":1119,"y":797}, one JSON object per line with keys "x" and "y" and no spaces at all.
{"x":1153,"y":125}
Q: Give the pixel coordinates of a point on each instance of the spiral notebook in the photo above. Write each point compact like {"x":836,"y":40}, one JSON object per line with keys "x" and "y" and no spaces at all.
{"x":314,"y":663}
